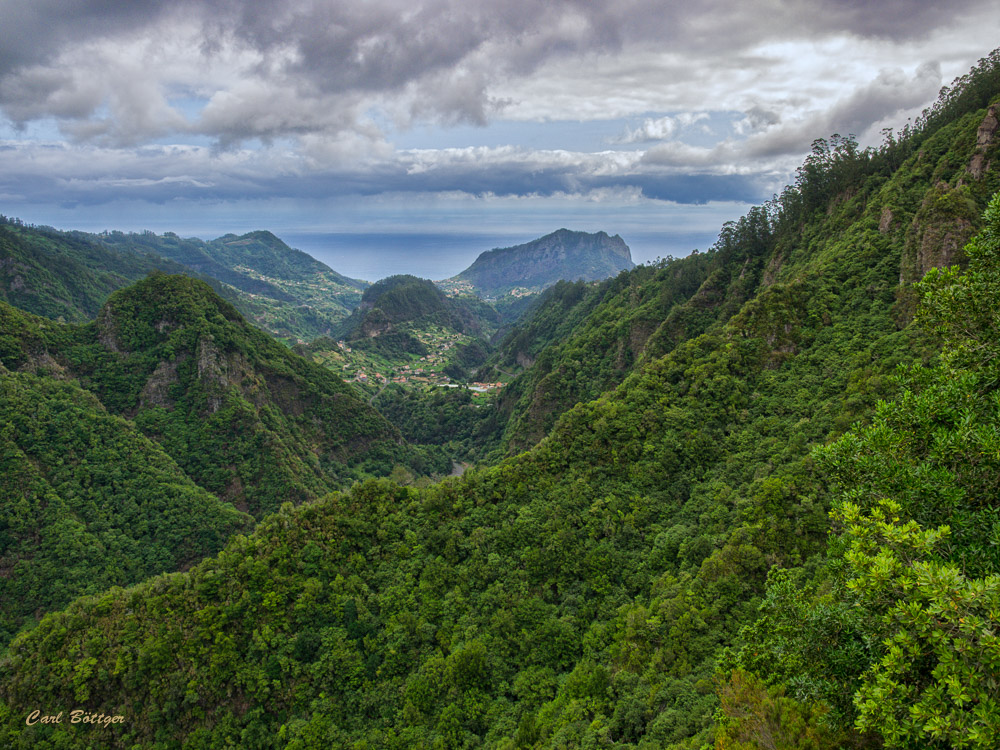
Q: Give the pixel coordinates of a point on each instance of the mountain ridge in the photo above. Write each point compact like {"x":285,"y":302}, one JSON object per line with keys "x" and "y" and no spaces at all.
{"x":104,"y":505}
{"x":69,"y":275}
{"x":563,"y":255}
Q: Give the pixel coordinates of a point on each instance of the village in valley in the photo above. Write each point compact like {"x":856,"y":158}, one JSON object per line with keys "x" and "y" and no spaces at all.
{"x":371,"y":370}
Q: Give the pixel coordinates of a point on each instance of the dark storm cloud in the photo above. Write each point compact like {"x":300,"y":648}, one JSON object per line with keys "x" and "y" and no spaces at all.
{"x":164,"y":174}
{"x":512,"y":180}
{"x":440,"y":52}
{"x":35,"y":31}
{"x":695,"y":189}
{"x":886,"y":19}
{"x":324,"y":86}
{"x":440,"y":56}
{"x":408,"y":36}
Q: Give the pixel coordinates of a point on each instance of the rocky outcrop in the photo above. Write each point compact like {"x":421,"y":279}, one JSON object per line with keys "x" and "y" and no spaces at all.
{"x":562,"y":255}
{"x":885,"y":220}
{"x":219,"y":372}
{"x":985,"y":138}
{"x":940,"y":229}
{"x":156,"y":392}
{"x":106,"y":332}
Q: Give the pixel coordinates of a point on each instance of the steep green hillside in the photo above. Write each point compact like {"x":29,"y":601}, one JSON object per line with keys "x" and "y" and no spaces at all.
{"x":89,"y":502}
{"x":583,"y":340}
{"x":391,"y":302}
{"x":579,"y":342}
{"x":585,"y":593}
{"x":66,"y":275}
{"x":535,"y":265}
{"x":128,"y":441}
{"x":248,"y":420}
{"x":287,"y":292}
{"x":69,"y":275}
{"x":893,"y":635}
{"x":440,"y":416}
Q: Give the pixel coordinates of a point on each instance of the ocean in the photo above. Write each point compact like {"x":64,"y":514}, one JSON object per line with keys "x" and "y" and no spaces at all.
{"x":373,"y":256}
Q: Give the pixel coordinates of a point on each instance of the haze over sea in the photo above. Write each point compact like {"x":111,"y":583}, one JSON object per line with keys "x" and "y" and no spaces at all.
{"x":440,"y":255}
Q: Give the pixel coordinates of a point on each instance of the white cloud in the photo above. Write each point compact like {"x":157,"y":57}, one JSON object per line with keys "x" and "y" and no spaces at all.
{"x":662,"y":128}
{"x":284,"y":97}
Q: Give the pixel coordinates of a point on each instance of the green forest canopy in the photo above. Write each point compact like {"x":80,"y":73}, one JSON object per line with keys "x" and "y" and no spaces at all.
{"x":620,"y":583}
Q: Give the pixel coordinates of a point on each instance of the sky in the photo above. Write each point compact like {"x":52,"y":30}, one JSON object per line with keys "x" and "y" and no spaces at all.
{"x":485,"y":120}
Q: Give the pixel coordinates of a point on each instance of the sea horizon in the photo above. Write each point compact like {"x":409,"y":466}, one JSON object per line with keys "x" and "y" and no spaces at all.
{"x":370,"y":256}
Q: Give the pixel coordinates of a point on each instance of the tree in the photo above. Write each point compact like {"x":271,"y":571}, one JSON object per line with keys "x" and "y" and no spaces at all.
{"x":911,"y":588}
{"x":936,"y":680}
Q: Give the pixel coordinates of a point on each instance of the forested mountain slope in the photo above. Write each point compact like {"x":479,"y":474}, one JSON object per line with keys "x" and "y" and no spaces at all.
{"x":128,"y":441}
{"x":244,"y":417}
{"x":388,"y":305}
{"x":402,"y":318}
{"x":69,"y":275}
{"x":891,"y":635}
{"x":88,"y":500}
{"x":584,"y":593}
{"x":66,"y":275}
{"x":286,"y":291}
{"x":580,"y":341}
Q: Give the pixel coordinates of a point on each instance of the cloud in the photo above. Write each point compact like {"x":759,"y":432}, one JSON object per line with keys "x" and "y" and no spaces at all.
{"x":661,"y":128}
{"x":94,"y":175}
{"x":431,"y":59}
{"x":109,"y":71}
{"x":229,"y":100}
{"x":891,"y":92}
{"x":755,"y":119}
{"x":36,"y":31}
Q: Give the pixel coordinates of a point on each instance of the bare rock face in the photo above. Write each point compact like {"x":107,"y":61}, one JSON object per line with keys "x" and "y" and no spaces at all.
{"x":985,"y":138}
{"x":156,"y":392}
{"x":771,"y":271}
{"x":211,"y":366}
{"x":221,"y":371}
{"x":44,"y":362}
{"x":214,"y":371}
{"x":15,"y":271}
{"x":885,"y":220}
{"x":524,"y":360}
{"x":940,"y":229}
{"x":940,"y":245}
{"x":106,"y":330}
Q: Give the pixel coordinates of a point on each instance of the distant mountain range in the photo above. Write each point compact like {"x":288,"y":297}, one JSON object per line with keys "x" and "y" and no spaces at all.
{"x":529,"y":268}
{"x":69,"y":275}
